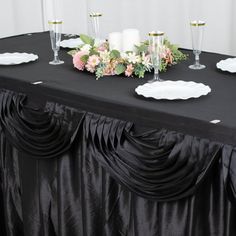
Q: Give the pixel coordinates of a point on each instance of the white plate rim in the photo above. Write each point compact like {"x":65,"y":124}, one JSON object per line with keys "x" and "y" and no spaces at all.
{"x":67,"y":43}
{"x":26,"y":57}
{"x":139,"y":90}
{"x":222,"y":65}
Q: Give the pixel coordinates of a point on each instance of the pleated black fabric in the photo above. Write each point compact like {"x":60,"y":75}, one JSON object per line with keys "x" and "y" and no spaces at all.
{"x":229,"y":171}
{"x":34,"y":131}
{"x":161,"y":165}
{"x":93,"y":175}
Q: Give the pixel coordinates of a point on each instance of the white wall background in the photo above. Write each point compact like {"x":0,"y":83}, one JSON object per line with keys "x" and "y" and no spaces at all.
{"x":17,"y":17}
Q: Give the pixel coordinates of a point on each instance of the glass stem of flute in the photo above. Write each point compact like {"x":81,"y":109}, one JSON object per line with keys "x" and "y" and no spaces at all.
{"x":96,"y":26}
{"x":197,"y":59}
{"x":156,"y":74}
{"x":56,"y":57}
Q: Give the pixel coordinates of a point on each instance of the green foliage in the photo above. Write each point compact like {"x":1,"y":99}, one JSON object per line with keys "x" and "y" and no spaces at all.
{"x":100,"y":70}
{"x":93,"y":51}
{"x":141,"y":65}
{"x":142,"y":48}
{"x":163,"y":66}
{"x":120,"y":68}
{"x":72,"y":52}
{"x":114,"y":54}
{"x":128,"y":52}
{"x":139,"y":70}
{"x":177,"y":54}
{"x":84,"y":58}
{"x":87,"y":40}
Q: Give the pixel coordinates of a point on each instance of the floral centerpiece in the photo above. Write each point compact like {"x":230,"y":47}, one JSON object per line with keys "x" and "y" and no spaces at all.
{"x":98,"y":59}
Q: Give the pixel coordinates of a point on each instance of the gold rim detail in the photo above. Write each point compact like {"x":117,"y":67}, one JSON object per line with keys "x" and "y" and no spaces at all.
{"x":54,"y":22}
{"x":95,"y":14}
{"x":158,"y":33}
{"x":197,"y":23}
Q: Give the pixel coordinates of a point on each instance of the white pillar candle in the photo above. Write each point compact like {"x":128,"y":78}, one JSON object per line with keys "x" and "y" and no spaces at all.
{"x":130,"y":38}
{"x":115,"y":41}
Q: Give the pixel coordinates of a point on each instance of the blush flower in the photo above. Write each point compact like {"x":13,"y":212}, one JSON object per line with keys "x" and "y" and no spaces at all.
{"x":146,"y":61}
{"x":129,"y":70}
{"x":167,"y":56}
{"x":92,"y":62}
{"x":78,"y":63}
{"x":102,"y":47}
{"x":90,"y":68}
{"x":110,"y":68}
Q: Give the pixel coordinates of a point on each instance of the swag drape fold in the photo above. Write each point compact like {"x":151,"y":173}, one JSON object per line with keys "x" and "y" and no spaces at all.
{"x":34,"y":131}
{"x":161,"y":165}
{"x":70,"y":172}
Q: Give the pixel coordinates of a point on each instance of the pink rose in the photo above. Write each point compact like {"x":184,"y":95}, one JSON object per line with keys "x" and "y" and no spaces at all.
{"x":77,"y":60}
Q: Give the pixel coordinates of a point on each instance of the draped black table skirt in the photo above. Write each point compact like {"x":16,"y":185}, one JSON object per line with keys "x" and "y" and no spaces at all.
{"x":68,"y":172}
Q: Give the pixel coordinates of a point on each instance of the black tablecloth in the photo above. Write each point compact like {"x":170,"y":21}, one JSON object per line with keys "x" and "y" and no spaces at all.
{"x":86,"y":157}
{"x":114,"y":96}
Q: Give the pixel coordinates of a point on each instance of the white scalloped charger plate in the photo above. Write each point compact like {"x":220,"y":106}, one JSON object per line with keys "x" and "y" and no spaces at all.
{"x":173,"y":90}
{"x":227,"y":65}
{"x":75,"y":42}
{"x":16,"y":58}
{"x":71,"y":43}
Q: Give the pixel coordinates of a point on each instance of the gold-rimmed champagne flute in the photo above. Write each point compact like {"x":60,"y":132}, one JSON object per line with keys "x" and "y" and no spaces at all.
{"x":156,"y":40}
{"x":197,"y":30}
{"x":95,"y":17}
{"x":55,"y":27}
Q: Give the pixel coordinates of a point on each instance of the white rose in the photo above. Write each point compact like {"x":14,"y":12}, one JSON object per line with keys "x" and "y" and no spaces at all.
{"x":86,"y":48}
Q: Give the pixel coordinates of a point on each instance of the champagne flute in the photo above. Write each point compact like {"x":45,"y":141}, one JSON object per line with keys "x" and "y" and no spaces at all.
{"x":155,"y":49}
{"x":197,"y":29}
{"x":55,"y":36}
{"x":95,"y":17}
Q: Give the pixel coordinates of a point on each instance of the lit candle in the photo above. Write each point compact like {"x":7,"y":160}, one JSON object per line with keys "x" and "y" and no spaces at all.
{"x":130,"y":38}
{"x":115,"y":41}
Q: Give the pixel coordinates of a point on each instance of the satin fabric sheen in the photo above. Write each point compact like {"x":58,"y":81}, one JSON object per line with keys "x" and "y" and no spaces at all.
{"x":70,"y":172}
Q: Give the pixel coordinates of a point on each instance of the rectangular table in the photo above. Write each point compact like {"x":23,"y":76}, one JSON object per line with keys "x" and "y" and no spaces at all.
{"x":105,"y":203}
{"x":112,"y":96}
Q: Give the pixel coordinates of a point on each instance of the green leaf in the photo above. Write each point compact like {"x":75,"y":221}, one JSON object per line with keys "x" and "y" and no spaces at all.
{"x":72,"y":52}
{"x":120,"y":68}
{"x":127,"y":52}
{"x":114,"y":54}
{"x":142,"y":48}
{"x":92,"y":42}
{"x":87,"y":40}
{"x":139,"y":70}
{"x":84,"y":58}
{"x":93,"y":52}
